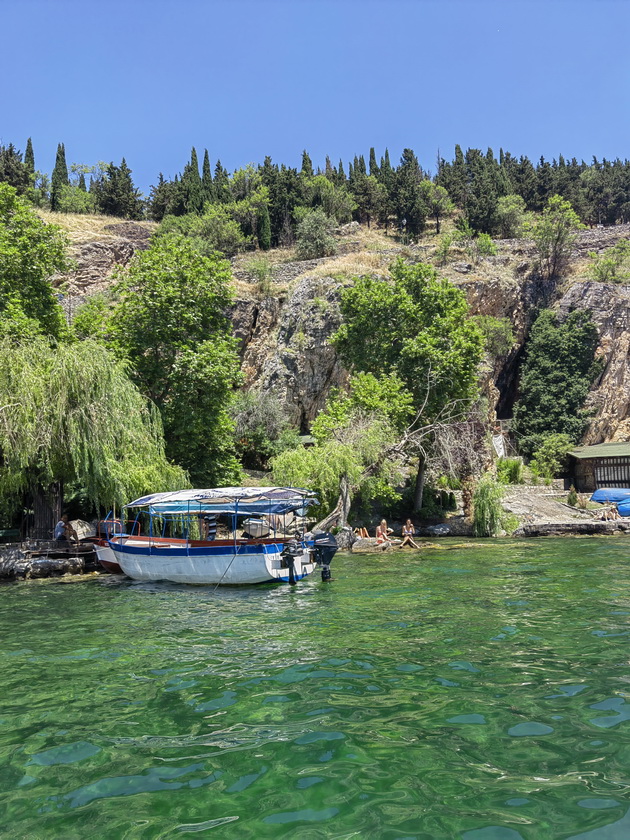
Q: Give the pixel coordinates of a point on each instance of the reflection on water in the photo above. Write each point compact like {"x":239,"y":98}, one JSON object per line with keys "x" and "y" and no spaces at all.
{"x":477,"y":691}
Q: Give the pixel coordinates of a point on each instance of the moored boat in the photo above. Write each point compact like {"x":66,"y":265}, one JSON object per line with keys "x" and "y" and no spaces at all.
{"x":174,"y":545}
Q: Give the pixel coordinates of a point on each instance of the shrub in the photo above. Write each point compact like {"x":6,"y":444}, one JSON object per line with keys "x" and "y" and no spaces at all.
{"x":572,"y":498}
{"x":510,"y":215}
{"x":498,"y":334}
{"x":315,"y":236}
{"x":510,"y":471}
{"x":550,"y":458}
{"x":612,"y":265}
{"x":487,"y":510}
{"x":260,"y":269}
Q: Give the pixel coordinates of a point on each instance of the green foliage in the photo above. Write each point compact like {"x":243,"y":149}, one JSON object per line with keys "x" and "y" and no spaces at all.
{"x":261,"y":428}
{"x":551,"y":455}
{"x":510,"y":216}
{"x":261,"y":269}
{"x":315,"y":236}
{"x":91,"y":319}
{"x":498,"y":334}
{"x":70,"y":413}
{"x":115,"y":194}
{"x":170,"y":323}
{"x":436,"y":199}
{"x":73,"y":199}
{"x":554,"y":234}
{"x":59,"y":177}
{"x":613,"y":265}
{"x":572,"y":497}
{"x":264,"y":228}
{"x":414,"y":326}
{"x":30,"y":253}
{"x":13,"y":171}
{"x":556,"y":376}
{"x":510,"y":471}
{"x":443,"y":248}
{"x":216,"y":230}
{"x":487,"y":509}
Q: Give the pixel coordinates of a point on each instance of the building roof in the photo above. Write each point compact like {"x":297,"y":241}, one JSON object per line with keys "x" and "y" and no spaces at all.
{"x":621,"y":449}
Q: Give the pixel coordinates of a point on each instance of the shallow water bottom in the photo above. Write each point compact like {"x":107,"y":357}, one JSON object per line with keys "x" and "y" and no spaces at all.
{"x":477,"y":691}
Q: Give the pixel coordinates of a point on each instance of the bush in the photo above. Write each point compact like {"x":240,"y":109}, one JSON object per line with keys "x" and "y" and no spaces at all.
{"x":315,"y":236}
{"x":510,"y":471}
{"x":260,"y":268}
{"x":498,"y":334}
{"x":510,"y":215}
{"x":487,"y":511}
{"x":612,"y":265}
{"x":75,"y":200}
{"x":572,"y":498}
{"x":551,"y":456}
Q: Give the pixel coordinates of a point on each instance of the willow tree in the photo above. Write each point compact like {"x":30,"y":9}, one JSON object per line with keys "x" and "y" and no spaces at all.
{"x":70,"y":414}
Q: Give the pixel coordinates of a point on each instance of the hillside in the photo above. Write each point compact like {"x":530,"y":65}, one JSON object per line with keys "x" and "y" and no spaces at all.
{"x":283,"y":323}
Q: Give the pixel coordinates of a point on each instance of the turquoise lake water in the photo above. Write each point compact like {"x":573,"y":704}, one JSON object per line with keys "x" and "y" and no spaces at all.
{"x":478,"y":691}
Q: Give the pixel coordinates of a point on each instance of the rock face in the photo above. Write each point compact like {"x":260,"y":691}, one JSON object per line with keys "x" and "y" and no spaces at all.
{"x":284,"y":345}
{"x":284,"y":340}
{"x":609,"y":305}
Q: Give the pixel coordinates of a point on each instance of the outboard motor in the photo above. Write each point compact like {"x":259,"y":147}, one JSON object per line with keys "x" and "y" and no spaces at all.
{"x":324,"y":549}
{"x":291,"y":550}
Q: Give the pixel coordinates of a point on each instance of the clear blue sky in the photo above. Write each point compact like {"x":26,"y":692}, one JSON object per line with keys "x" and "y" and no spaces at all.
{"x":148,"y":79}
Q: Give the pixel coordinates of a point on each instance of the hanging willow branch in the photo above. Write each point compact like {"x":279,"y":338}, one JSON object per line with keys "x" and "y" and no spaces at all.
{"x":78,"y":418}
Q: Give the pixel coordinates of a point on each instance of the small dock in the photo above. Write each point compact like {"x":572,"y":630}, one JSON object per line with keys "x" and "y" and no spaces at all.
{"x":45,"y":558}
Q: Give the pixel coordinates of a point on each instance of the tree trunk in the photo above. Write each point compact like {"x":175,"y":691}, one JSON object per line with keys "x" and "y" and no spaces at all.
{"x":339,"y":515}
{"x":47,"y":504}
{"x":419,"y":488}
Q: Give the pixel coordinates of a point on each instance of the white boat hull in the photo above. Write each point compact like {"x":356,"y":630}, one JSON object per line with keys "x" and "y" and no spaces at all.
{"x":224,"y":565}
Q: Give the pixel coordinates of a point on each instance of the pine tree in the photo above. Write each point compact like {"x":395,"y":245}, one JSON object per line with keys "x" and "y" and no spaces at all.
{"x":59,"y":176}
{"x":29,"y":157}
{"x":207,"y":187}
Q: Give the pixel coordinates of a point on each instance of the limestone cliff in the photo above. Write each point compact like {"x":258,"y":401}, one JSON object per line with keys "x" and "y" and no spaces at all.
{"x":284,"y":331}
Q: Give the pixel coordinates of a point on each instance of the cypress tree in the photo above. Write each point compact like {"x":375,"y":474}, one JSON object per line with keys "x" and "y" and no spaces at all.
{"x":29,"y":157}
{"x":59,"y":176}
{"x":307,"y":165}
{"x":341,"y":175}
{"x":264,"y":228}
{"x":192,"y":185}
{"x":374,"y":170}
{"x":207,"y":187}
{"x":222,"y":192}
{"x":82,"y":182}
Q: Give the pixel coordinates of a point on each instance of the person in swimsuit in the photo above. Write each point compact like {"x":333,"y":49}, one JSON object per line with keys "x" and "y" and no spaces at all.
{"x":408,"y":533}
{"x":382,"y":535}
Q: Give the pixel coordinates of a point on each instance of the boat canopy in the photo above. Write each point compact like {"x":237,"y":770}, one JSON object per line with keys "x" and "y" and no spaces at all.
{"x":611,"y":494}
{"x":245,"y":501}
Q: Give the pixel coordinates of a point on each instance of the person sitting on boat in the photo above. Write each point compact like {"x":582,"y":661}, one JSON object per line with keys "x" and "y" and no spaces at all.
{"x":408,"y":533}
{"x":64,"y":530}
{"x":382,"y":535}
{"x":208,"y":527}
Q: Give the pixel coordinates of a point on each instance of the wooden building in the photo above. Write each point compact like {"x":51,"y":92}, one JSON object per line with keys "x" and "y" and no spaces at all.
{"x":601,"y":465}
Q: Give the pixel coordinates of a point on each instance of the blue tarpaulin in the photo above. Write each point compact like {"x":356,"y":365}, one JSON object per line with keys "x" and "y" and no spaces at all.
{"x":611,"y":494}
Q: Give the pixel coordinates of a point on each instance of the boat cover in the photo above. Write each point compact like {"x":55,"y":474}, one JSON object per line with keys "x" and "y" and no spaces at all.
{"x":229,"y":500}
{"x":611,"y":494}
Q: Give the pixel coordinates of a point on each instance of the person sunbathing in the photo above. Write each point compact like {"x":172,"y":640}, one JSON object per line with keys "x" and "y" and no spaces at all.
{"x":408,"y":533}
{"x":382,"y":535}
